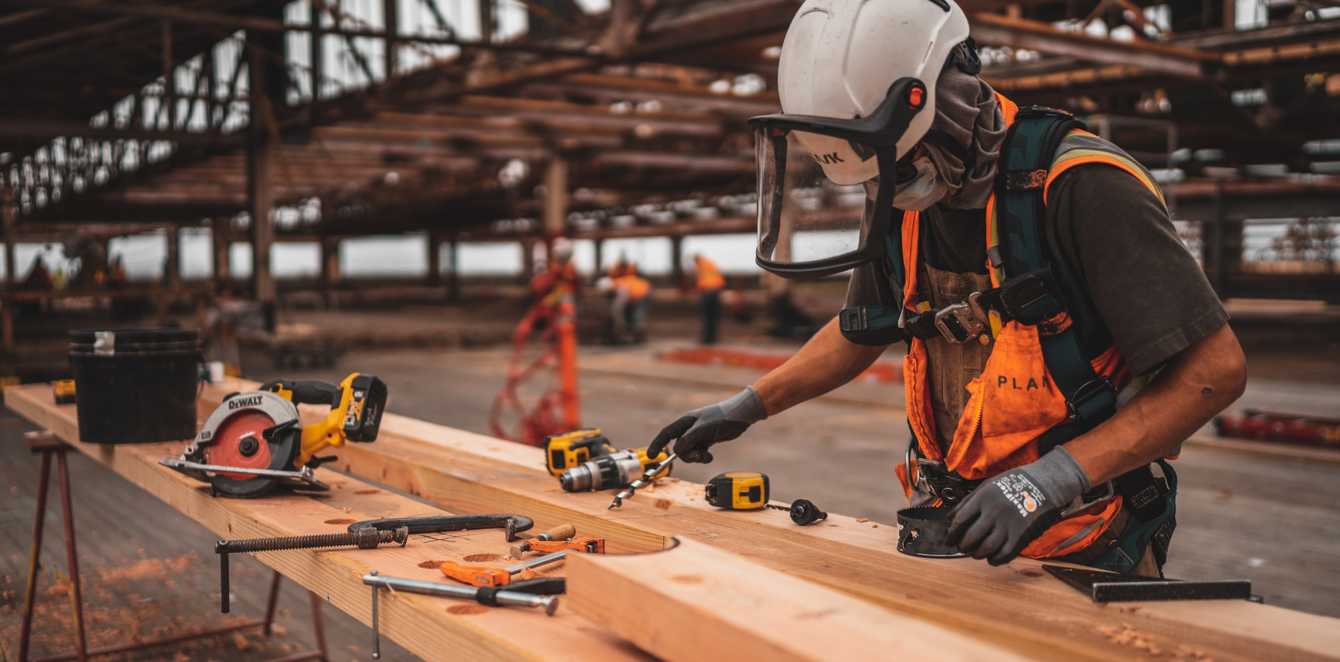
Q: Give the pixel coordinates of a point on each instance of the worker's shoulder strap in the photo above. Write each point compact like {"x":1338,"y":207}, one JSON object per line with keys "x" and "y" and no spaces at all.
{"x":1080,"y":147}
{"x":1029,"y":160}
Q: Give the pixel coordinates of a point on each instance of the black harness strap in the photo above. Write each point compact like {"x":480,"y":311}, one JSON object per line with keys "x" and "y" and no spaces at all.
{"x":1031,"y":146}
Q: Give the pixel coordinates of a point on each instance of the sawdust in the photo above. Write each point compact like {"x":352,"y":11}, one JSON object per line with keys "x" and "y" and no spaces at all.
{"x":431,"y":564}
{"x":467,"y":610}
{"x":240,"y":641}
{"x":482,"y":558}
{"x":663,"y":504}
{"x":862,"y":520}
{"x":148,"y":568}
{"x":1185,"y":652}
{"x":1128,"y":636}
{"x":687,"y":579}
{"x":340,"y":520}
{"x":367,"y":491}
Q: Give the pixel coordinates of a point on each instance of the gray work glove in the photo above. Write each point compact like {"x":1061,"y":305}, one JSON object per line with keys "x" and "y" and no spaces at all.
{"x":1005,"y":513}
{"x":697,"y":430}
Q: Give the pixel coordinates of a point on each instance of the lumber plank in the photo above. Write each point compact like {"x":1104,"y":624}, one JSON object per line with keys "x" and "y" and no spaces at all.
{"x":1017,"y":607}
{"x":433,"y":628}
{"x":694,"y":597}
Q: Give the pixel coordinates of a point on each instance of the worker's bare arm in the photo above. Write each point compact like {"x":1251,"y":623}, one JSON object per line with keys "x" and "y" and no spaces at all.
{"x":1197,"y":384}
{"x":826,"y":362}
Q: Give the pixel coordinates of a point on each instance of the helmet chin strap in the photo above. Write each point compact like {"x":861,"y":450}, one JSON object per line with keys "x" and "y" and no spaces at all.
{"x":924,"y":190}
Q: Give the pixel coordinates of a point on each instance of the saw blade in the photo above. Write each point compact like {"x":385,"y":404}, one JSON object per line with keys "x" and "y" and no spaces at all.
{"x":253,"y":431}
{"x":240,"y":442}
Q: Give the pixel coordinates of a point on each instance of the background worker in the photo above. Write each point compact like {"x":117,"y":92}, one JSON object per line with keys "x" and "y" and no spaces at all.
{"x":1048,"y":365}
{"x":632,"y":297}
{"x":708,"y":283}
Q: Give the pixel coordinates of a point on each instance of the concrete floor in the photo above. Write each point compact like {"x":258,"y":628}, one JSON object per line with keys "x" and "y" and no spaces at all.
{"x":148,"y":570}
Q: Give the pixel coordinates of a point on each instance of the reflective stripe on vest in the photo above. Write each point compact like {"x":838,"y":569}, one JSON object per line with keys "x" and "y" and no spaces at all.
{"x":1014,"y":400}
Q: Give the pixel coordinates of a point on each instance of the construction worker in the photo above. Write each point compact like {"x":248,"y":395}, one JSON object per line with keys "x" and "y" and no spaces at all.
{"x":559,"y":280}
{"x":632,"y":296}
{"x":708,"y":284}
{"x":1061,"y":341}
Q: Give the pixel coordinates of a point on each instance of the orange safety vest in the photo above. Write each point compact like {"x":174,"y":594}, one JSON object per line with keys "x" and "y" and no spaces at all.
{"x":1014,"y":400}
{"x":636,"y":287}
{"x":709,"y":277}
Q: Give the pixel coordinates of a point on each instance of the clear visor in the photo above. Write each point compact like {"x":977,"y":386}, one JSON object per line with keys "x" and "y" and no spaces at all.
{"x":812,"y":196}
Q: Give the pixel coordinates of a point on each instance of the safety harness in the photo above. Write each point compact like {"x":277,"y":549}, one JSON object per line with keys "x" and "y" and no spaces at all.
{"x":1026,"y":289}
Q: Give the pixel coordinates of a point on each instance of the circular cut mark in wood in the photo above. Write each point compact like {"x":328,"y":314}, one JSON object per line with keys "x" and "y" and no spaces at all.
{"x":481,"y":558}
{"x":466,"y":610}
{"x":343,"y":520}
{"x":687,"y":579}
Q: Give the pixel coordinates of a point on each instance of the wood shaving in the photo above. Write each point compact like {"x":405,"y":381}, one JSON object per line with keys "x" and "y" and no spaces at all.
{"x":1128,"y":636}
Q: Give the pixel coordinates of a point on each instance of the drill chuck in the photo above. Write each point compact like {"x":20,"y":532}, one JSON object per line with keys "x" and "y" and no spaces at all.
{"x":603,"y":473}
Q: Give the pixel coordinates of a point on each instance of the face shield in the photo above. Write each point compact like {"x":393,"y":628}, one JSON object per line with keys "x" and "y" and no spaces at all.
{"x":826,"y":186}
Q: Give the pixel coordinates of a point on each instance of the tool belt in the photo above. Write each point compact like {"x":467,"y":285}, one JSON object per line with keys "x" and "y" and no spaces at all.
{"x":1146,"y":523}
{"x":922,"y":532}
{"x":1026,"y":298}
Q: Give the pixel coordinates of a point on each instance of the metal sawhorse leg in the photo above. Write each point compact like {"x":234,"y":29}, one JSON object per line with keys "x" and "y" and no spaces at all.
{"x":48,"y":446}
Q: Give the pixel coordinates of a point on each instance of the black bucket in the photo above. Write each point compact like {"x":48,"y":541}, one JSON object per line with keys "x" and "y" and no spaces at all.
{"x":135,"y":385}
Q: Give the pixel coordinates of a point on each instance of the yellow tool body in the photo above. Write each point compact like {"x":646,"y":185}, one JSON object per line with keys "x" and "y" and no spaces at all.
{"x":567,"y":450}
{"x":63,"y":391}
{"x":738,"y":490}
{"x":356,"y":406}
{"x":647,"y":462}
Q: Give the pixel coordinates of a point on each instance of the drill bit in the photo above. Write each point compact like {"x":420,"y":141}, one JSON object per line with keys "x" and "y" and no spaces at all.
{"x":647,"y":477}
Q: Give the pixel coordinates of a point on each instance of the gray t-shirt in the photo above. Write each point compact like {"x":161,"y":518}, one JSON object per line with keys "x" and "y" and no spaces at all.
{"x":1140,"y":288}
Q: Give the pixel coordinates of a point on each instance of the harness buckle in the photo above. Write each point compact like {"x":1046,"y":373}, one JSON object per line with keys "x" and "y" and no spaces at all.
{"x":1092,"y":401}
{"x":935,"y":479}
{"x":1028,"y":299}
{"x":958,"y":323}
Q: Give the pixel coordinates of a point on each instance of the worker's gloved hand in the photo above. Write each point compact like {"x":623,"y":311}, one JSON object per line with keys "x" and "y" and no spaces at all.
{"x":1005,"y":513}
{"x":697,"y":430}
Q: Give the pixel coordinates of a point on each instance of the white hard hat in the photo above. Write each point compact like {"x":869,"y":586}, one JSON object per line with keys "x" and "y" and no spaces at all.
{"x":840,"y":58}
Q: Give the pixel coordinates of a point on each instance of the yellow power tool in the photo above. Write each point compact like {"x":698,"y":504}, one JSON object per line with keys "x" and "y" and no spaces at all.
{"x":570,"y":449}
{"x":254,"y":442}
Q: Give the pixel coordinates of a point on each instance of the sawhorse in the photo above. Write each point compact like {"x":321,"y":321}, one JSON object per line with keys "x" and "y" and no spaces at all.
{"x":48,"y":446}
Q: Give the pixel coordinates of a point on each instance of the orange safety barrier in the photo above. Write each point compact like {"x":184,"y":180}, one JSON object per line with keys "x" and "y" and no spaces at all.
{"x":558,"y":408}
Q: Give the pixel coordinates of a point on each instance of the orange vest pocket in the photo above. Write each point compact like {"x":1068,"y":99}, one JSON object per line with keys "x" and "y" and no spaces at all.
{"x":1018,"y":402}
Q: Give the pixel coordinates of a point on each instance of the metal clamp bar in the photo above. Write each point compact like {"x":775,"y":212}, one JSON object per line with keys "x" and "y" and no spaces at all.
{"x":506,"y":598}
{"x":305,"y":474}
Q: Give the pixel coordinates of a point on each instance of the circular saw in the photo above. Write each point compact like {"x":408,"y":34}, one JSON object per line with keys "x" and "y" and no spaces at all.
{"x":254,"y":443}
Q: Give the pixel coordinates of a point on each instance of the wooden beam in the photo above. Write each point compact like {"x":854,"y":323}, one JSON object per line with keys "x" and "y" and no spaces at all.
{"x":556,"y":198}
{"x":172,"y":263}
{"x":391,"y":44}
{"x":996,"y":30}
{"x":7,"y":224}
{"x":468,"y":472}
{"x":260,"y":175}
{"x":431,"y":628}
{"x":693,"y":598}
{"x":252,"y":23}
{"x":41,"y":129}
{"x":220,"y":239}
